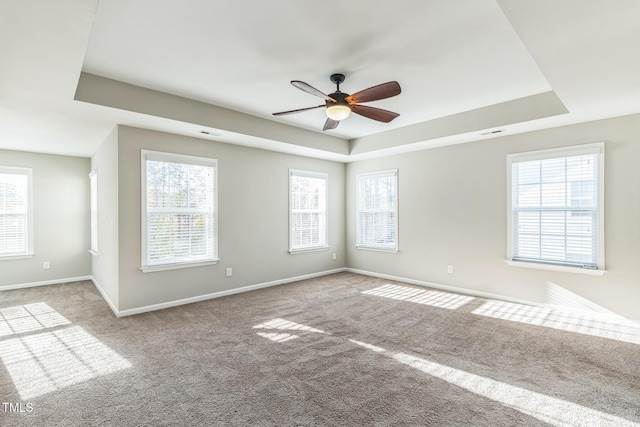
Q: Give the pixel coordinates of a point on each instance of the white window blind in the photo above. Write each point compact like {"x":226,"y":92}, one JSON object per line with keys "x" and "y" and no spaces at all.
{"x":377,"y":195}
{"x":307,"y":210}
{"x":93,"y":183}
{"x":15,"y":212}
{"x":557,"y":207}
{"x":179,"y":209}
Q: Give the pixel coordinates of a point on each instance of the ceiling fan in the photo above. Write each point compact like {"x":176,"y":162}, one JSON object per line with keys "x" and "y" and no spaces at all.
{"x":340,"y":105}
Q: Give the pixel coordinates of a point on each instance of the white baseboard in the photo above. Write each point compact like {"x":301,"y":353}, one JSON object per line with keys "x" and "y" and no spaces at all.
{"x":148,"y":308}
{"x":249,"y":288}
{"x":113,"y":306}
{"x":44,"y":283}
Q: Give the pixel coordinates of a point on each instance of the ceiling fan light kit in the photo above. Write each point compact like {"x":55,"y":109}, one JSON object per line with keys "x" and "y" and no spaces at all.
{"x":338,"y":112}
{"x":340,"y":105}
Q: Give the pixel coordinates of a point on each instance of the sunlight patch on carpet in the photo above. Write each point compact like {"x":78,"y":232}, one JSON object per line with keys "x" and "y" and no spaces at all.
{"x":28,"y":318}
{"x":552,"y":410}
{"x":369,"y":346}
{"x":48,"y":361}
{"x":549,"y":409}
{"x":277,"y":337}
{"x":595,"y":324}
{"x":283,"y":325}
{"x":420,"y":296}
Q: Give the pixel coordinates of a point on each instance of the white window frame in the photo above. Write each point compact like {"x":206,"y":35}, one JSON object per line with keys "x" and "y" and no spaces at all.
{"x":597,"y":148}
{"x":93,"y":195}
{"x":360,"y":244}
{"x":28,"y":243}
{"x":184,"y":159}
{"x":324,"y":237}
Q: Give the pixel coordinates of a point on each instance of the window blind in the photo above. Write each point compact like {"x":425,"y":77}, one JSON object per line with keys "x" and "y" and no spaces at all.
{"x":15,"y":200}
{"x":378,"y":210}
{"x":555,"y":207}
{"x":308,"y":210}
{"x":179,"y":210}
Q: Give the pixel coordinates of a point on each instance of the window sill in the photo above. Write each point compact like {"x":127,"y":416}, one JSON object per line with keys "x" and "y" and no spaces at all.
{"x":374,"y":249}
{"x":12,"y":257}
{"x":314,"y":249}
{"x":163,"y":267}
{"x":562,"y":268}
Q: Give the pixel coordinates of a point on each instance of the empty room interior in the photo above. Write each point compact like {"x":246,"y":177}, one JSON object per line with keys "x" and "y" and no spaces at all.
{"x":320,"y":213}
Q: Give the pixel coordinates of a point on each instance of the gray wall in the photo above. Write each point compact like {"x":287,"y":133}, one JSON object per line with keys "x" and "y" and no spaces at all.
{"x":61,"y":219}
{"x":253,"y":220}
{"x":452,"y":211}
{"x":104,"y":266}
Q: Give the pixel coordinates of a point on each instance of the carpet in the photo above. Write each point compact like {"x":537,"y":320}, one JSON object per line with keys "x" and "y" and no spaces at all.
{"x":339,"y":350}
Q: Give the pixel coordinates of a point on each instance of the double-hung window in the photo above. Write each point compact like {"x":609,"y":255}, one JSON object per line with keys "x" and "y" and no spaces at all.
{"x":556,"y":208}
{"x":377,"y":220}
{"x":16,"y":213}
{"x":178,"y":211}
{"x":307,"y":210}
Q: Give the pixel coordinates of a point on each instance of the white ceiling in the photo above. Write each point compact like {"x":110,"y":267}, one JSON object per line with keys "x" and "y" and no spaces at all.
{"x":454,"y":61}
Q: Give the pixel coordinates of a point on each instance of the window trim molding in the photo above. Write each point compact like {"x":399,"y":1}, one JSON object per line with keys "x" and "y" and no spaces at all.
{"x":554,"y":267}
{"x":310,"y":249}
{"x":318,"y":175}
{"x":376,"y":249}
{"x":568,"y":151}
{"x":382,"y":173}
{"x":174,"y":158}
{"x":177,"y":265}
{"x":30,"y":207}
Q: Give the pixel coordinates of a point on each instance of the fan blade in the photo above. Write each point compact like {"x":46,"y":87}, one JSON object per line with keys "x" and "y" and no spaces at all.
{"x":330,"y":124}
{"x":284,"y":113}
{"x":310,"y":89}
{"x":385,"y":90}
{"x":374,"y":113}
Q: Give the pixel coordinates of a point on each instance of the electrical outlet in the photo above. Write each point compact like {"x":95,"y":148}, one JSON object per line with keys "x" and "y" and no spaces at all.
{"x":450,"y":269}
{"x":46,"y":265}
{"x":334,"y":256}
{"x":229,"y":272}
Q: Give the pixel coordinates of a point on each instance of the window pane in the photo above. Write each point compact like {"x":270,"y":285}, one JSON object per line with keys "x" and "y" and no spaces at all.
{"x":553,"y":194}
{"x":528,"y":195}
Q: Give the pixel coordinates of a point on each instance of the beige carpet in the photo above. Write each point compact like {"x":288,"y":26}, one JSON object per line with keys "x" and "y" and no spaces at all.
{"x":342,"y":350}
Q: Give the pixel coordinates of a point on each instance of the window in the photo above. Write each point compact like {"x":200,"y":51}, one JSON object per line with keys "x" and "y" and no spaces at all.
{"x":377,"y":220}
{"x":307,"y":210}
{"x":556,"y":213}
{"x":178,"y":211}
{"x":16,"y":218}
{"x":93,"y":183}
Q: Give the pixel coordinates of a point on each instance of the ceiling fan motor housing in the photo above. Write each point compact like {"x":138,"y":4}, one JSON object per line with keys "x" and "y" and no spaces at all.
{"x":340,"y":98}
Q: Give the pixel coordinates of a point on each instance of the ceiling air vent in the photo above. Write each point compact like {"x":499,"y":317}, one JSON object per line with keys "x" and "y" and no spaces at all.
{"x":209,"y":133}
{"x":492,"y":132}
